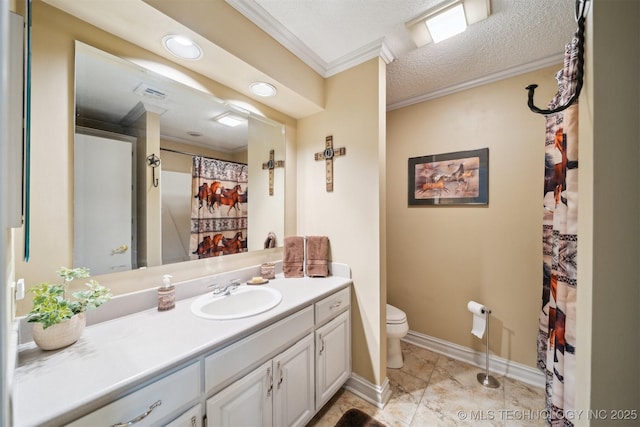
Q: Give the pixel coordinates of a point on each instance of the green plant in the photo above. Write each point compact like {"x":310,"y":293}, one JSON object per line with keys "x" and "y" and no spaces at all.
{"x":50,"y":305}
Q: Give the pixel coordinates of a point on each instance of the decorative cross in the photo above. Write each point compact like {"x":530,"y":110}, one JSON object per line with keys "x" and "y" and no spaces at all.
{"x":328,"y":154}
{"x":272,"y":164}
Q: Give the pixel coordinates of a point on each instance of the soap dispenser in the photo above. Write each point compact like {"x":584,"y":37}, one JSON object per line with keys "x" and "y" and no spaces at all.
{"x":166,"y":294}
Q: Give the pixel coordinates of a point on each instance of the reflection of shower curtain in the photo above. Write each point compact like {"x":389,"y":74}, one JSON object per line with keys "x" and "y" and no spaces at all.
{"x":218,"y":208}
{"x":557,"y":334}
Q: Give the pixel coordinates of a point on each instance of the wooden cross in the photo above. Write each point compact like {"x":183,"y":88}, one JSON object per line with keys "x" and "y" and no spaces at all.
{"x":328,"y":154}
{"x":271,"y":164}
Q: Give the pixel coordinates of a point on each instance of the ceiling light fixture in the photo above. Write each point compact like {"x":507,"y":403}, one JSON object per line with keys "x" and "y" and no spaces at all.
{"x":229,"y":118}
{"x":263,"y":89}
{"x":182,"y":47}
{"x":446,"y":20}
{"x":447,"y":24}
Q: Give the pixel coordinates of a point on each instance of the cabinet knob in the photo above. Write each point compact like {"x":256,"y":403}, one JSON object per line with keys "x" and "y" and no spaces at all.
{"x":120,"y":249}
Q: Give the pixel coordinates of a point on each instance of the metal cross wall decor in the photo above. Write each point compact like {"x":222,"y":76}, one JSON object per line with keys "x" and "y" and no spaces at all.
{"x":271,"y":164}
{"x":328,"y":154}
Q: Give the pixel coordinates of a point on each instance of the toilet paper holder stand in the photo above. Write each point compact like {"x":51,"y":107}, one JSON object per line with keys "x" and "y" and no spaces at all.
{"x":483,"y":377}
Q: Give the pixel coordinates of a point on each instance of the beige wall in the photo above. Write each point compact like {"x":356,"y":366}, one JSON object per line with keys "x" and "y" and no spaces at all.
{"x":52,"y":132}
{"x":351,"y":215}
{"x":440,"y":257}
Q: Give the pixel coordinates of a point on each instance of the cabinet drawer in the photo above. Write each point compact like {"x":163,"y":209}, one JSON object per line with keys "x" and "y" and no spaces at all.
{"x":332,"y":305}
{"x":229,"y":363}
{"x":191,"y":418}
{"x":174,"y":391}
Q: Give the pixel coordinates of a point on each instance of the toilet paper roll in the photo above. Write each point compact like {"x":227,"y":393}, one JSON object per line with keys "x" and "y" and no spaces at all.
{"x":479,"y":318}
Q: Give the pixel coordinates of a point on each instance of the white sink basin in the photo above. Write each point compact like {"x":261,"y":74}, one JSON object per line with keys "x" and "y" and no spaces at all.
{"x":245,"y":301}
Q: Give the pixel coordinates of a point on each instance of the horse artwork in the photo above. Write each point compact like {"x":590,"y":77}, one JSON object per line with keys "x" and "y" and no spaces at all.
{"x":228,"y":197}
{"x":233,"y":245}
{"x":452,"y":178}
{"x":219,"y":208}
{"x":209,"y":246}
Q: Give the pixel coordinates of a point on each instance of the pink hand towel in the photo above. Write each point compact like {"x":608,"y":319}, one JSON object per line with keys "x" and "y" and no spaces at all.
{"x":317,"y":256}
{"x":293,"y":258}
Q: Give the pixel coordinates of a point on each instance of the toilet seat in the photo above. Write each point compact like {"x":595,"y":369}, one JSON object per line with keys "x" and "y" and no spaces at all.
{"x":395,"y":316}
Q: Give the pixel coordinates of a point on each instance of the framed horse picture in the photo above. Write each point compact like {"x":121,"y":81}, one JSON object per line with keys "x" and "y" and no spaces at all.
{"x":458,"y":178}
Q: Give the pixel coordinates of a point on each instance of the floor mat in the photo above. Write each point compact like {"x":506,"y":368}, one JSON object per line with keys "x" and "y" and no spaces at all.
{"x":356,"y":418}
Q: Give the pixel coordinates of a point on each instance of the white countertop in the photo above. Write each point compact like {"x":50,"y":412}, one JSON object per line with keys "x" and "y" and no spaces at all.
{"x":55,"y":387}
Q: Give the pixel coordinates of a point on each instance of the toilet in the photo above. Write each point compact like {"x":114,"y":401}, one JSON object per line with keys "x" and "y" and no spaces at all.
{"x":397,"y":328}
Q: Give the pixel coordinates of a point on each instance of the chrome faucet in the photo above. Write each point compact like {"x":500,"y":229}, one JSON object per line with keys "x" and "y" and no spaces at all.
{"x":225,"y":290}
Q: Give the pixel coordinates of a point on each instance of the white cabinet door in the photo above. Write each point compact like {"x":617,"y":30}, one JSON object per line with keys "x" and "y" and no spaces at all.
{"x":293,"y":402}
{"x":102,"y":204}
{"x":333,"y":357}
{"x":247,"y":402}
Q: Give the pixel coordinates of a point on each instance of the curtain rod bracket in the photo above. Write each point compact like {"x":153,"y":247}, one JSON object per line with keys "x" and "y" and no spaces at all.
{"x":581,"y":15}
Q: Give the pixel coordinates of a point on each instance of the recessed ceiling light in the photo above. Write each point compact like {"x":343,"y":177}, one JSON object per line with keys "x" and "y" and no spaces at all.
{"x":263,"y":89}
{"x":182,"y":47}
{"x":439,"y":23}
{"x":447,"y":24}
{"x":228,"y":118}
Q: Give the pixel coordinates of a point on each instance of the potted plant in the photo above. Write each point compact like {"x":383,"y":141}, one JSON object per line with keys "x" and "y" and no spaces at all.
{"x":59,"y":321}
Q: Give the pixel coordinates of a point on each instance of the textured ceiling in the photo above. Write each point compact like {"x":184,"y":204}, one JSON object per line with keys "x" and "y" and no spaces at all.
{"x":518,"y":36}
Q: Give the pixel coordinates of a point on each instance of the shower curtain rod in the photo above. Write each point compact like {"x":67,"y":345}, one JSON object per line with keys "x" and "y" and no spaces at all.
{"x":184,"y":153}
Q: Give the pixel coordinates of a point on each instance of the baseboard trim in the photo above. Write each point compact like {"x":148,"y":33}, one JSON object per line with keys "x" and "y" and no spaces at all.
{"x":497,"y":365}
{"x":376,"y":395}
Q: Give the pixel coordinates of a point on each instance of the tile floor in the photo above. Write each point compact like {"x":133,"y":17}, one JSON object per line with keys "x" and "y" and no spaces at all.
{"x":434,"y":390}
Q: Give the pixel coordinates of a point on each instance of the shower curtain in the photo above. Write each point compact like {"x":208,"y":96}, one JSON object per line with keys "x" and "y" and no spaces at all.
{"x":218,"y":208}
{"x":557,"y":333}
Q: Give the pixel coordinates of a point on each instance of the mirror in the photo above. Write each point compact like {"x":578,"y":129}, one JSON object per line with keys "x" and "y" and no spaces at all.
{"x":137,"y":132}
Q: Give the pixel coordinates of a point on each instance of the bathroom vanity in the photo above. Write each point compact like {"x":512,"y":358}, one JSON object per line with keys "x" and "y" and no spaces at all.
{"x":174,"y":368}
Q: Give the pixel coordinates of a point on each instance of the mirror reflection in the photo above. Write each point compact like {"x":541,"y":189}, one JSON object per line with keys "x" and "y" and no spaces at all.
{"x":158,"y":179}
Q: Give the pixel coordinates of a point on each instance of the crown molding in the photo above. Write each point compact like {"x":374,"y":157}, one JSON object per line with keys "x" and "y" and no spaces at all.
{"x":374,"y":49}
{"x":260,"y":17}
{"x":501,"y":75}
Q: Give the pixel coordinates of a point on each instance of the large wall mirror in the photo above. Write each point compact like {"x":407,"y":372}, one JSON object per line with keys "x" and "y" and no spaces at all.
{"x":132,"y":123}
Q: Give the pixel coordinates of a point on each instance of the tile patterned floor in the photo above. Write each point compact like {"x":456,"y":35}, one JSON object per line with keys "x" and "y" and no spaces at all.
{"x":434,"y":390}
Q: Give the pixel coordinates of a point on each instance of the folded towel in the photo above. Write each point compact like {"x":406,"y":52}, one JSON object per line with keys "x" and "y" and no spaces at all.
{"x":317,"y":256}
{"x":293,"y":258}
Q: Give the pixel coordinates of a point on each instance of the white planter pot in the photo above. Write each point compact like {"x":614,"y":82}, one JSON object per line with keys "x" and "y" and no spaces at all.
{"x":61,"y":334}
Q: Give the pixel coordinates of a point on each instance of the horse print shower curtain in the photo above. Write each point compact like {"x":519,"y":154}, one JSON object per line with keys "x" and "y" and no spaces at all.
{"x":218,"y":208}
{"x":557,"y":334}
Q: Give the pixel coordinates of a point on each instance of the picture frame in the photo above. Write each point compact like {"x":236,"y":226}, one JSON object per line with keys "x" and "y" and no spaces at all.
{"x":457,"y":178}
